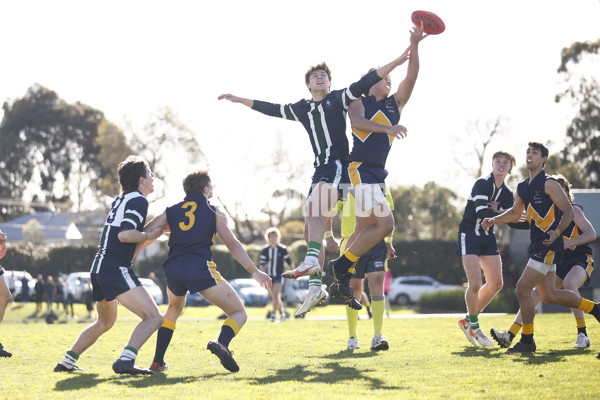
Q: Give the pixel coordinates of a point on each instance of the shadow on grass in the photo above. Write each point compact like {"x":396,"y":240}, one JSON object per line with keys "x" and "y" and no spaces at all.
{"x":85,"y":381}
{"x":343,"y":354}
{"x":336,"y":374}
{"x":540,"y":357}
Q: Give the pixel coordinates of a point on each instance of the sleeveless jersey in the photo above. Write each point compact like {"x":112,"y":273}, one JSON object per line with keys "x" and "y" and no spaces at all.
{"x":372,"y":147}
{"x":273,"y":258}
{"x":484,"y":190}
{"x":542,"y":214}
{"x":193,"y":224}
{"x":127,"y":212}
{"x":572,"y":232}
{"x":325,"y":120}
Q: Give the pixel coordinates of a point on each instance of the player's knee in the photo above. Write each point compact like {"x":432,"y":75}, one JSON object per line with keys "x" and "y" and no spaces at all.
{"x":549,"y":298}
{"x":4,"y":299}
{"x":521,"y":291}
{"x":496,"y":284}
{"x":474,"y":287}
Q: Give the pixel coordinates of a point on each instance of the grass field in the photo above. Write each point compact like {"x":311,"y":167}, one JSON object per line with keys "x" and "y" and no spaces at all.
{"x":304,"y":359}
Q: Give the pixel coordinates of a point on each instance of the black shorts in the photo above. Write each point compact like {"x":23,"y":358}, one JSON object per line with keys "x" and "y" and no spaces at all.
{"x":111,"y":282}
{"x":470,"y":243}
{"x":585,"y":261}
{"x":331,"y":173}
{"x":372,"y":261}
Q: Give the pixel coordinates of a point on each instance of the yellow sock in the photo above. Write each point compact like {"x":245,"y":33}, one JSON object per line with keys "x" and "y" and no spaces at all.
{"x":515,"y":328}
{"x":528,"y":329}
{"x":352,"y":316}
{"x":580,"y":322}
{"x":378,"y":307}
{"x":586,"y":305}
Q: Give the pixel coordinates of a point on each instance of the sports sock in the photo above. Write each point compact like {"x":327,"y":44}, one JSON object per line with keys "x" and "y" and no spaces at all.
{"x":313,"y":250}
{"x":352,"y":316}
{"x":589,"y":307}
{"x":228,"y":330}
{"x":344,"y":263}
{"x":163,"y":338}
{"x":473,"y":321}
{"x":70,"y":359}
{"x":129,"y":353}
{"x":514,"y":329}
{"x":527,"y":334}
{"x":315,"y":280}
{"x":581,"y":326}
{"x":378,"y":309}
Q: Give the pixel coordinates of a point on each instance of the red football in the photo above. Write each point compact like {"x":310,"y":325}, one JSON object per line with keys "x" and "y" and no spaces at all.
{"x":432,"y":24}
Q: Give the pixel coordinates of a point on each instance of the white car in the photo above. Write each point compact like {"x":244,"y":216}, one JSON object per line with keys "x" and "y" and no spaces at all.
{"x":294,"y":291}
{"x":13,"y":280}
{"x":76,"y":285}
{"x":153,"y":289}
{"x":405,"y":290}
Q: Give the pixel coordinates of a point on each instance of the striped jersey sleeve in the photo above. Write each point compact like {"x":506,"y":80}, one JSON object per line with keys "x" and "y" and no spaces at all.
{"x":284,"y":111}
{"x":264,"y":254}
{"x":286,"y":256}
{"x":357,"y":89}
{"x":135,"y":214}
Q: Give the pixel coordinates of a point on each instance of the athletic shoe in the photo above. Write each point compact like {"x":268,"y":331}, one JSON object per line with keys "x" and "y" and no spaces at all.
{"x":466,"y":329}
{"x":521,"y":347}
{"x":341,"y":287}
{"x":482,"y":338}
{"x":582,"y":341}
{"x":353,"y":344}
{"x":305,"y":268}
{"x":314,"y":296}
{"x":224,"y":355}
{"x":282,"y":317}
{"x":129,"y":367}
{"x":4,"y":352}
{"x":502,"y":337}
{"x":63,"y":368}
{"x":273,"y":317}
{"x":158,"y":367}
{"x":379,"y":342}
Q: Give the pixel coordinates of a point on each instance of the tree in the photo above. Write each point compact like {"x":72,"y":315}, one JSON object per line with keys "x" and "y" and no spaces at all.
{"x":32,"y":232}
{"x":48,"y":146}
{"x":583,"y":133}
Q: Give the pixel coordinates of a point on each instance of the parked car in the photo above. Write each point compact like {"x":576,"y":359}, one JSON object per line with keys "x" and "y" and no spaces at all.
{"x":405,"y":290}
{"x":13,"y":280}
{"x":153,"y":289}
{"x":196,"y":300}
{"x":294,"y":291}
{"x":251,"y":292}
{"x":76,"y":285}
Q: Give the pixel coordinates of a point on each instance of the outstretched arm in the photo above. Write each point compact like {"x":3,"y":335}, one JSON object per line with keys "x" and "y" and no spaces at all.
{"x":236,"y":99}
{"x":406,"y":86}
{"x":238,"y":252}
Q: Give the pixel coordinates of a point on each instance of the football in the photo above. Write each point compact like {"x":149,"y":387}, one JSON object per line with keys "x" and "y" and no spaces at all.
{"x":432,"y":24}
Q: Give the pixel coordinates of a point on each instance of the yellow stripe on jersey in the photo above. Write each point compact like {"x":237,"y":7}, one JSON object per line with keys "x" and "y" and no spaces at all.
{"x":541,"y":222}
{"x":353,"y":172}
{"x":590,"y":265}
{"x":212,"y":268}
{"x":379,"y":118}
{"x":574,"y":234}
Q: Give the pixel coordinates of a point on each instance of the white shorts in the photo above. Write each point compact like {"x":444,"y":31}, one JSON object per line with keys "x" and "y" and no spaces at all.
{"x":541,"y":267}
{"x":367,"y":196}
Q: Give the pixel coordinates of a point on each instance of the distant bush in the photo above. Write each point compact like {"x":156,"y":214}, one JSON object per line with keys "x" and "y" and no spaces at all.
{"x":454,"y":301}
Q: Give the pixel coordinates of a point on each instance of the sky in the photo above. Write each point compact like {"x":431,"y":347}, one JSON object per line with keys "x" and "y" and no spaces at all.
{"x":130,"y":58}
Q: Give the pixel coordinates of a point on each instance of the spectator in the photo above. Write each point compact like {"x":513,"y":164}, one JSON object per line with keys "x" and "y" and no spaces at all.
{"x":69,"y":298}
{"x":40,"y":289}
{"x":59,"y":297}
{"x":25,"y":288}
{"x":50,"y":291}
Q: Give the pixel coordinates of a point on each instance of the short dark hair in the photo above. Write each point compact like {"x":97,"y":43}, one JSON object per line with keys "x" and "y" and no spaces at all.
{"x":195,"y":182}
{"x":540,"y":147}
{"x":129,"y":173}
{"x":314,"y":68}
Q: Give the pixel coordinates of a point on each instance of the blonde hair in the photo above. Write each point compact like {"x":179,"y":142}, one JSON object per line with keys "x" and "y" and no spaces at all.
{"x":272,"y":230}
{"x":564,"y":183}
{"x":512,"y":159}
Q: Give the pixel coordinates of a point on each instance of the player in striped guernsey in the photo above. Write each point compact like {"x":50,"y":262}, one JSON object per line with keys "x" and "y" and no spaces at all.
{"x":111,"y":274}
{"x":324,"y":118}
{"x":549,"y":213}
{"x":271,"y":261}
{"x":573,"y":272}
{"x":489,"y":197}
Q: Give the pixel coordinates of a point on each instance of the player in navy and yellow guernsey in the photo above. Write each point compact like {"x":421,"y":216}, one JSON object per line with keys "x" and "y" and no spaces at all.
{"x":489,"y":197}
{"x":271,"y":261}
{"x":5,"y":295}
{"x":111,"y":274}
{"x":573,"y":272}
{"x":375,"y":119}
{"x":193,"y":223}
{"x":324,"y":118}
{"x":549,"y":213}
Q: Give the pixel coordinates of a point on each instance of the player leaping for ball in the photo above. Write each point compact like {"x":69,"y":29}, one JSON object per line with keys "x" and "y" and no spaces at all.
{"x":377,"y":112}
{"x":324,"y":118}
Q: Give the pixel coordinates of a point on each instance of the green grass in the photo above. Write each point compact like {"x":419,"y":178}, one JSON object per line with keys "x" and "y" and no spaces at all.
{"x":304,"y":359}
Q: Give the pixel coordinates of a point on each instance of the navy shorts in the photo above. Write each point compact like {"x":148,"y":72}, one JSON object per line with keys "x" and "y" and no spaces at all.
{"x":109,"y":283}
{"x":332,"y":173}
{"x":277,"y":279}
{"x":547,"y":257}
{"x":470,"y":243}
{"x":372,"y":261}
{"x":585,"y":261}
{"x":192,"y":273}
{"x":366,"y":173}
